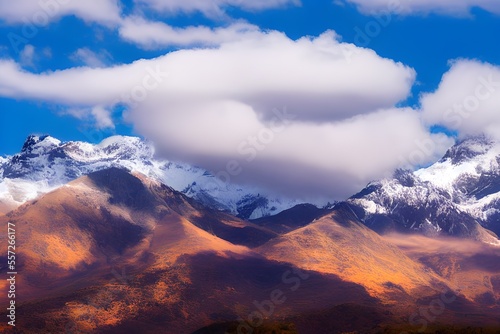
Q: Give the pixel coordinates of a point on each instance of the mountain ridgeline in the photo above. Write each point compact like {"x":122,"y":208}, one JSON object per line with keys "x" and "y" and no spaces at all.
{"x":112,"y":240}
{"x":457,"y":196}
{"x":46,"y":163}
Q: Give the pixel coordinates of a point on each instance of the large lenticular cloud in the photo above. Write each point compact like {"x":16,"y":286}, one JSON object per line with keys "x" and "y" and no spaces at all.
{"x":309,"y":116}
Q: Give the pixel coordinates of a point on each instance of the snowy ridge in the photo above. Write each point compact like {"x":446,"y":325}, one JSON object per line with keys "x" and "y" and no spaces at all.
{"x":469,"y":160}
{"x":46,"y":163}
{"x":470,"y":173}
{"x":455,"y":196}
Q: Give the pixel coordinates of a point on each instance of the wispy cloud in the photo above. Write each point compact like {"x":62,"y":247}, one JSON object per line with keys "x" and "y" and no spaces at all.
{"x":152,"y":35}
{"x":98,"y":116}
{"x":27,"y":55}
{"x":138,"y":28}
{"x":42,"y":12}
{"x":412,"y":7}
{"x":213,"y":8}
{"x":91,"y":58}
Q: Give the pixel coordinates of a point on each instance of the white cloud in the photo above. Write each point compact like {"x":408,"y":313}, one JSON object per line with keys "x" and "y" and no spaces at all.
{"x":317,"y":76}
{"x":152,"y":35}
{"x":467,"y":99}
{"x":216,"y":104}
{"x":408,"y":7}
{"x":27,"y":55}
{"x":91,"y":58}
{"x":102,"y":117}
{"x":213,"y":8}
{"x":33,"y":14}
{"x":40,"y":12}
{"x":97,"y":116}
{"x":47,"y":52}
{"x":330,"y":159}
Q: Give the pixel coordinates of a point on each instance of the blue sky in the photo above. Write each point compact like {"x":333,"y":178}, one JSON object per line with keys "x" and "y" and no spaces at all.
{"x":423,"y":36}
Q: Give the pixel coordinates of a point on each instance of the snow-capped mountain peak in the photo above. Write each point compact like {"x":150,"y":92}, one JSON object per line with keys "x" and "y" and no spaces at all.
{"x":468,"y":149}
{"x":46,"y":163}
{"x":39,"y":144}
{"x":454,"y":196}
{"x":464,"y":165}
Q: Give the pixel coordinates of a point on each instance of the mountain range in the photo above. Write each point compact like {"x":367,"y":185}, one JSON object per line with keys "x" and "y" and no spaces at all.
{"x":457,"y":196}
{"x":112,"y":240}
{"x":46,"y":163}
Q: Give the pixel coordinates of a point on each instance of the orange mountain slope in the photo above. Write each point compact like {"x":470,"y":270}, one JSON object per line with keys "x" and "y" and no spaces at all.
{"x":338,"y":244}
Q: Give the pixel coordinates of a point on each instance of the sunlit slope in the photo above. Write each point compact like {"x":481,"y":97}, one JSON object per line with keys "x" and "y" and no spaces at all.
{"x":110,"y":218}
{"x":338,"y":244}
